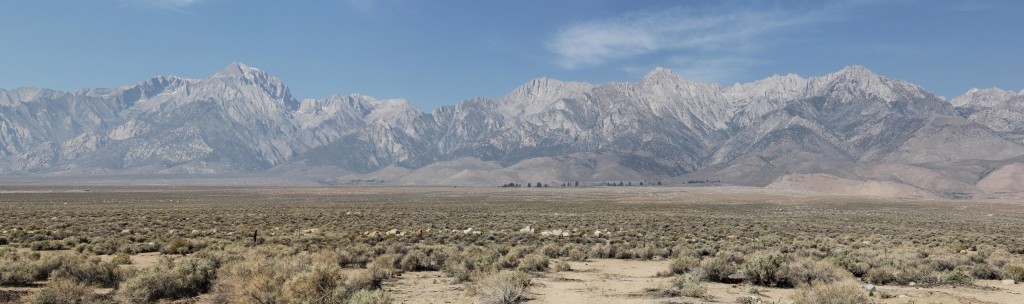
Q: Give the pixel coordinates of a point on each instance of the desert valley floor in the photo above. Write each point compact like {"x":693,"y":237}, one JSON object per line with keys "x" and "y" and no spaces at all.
{"x":462,"y":245}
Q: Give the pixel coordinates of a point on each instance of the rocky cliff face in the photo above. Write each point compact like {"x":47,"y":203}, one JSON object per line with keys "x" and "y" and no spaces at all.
{"x":1001,"y":111}
{"x":244,"y":121}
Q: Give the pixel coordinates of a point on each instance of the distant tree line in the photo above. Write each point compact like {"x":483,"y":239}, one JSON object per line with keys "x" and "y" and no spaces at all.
{"x":577,"y":184}
{"x":629,"y":183}
{"x":706,"y":181}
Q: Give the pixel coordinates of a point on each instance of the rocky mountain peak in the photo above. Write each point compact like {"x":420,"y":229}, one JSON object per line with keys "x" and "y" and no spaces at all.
{"x":989,"y":97}
{"x":855,"y":72}
{"x":535,"y":95}
{"x":238,"y":69}
{"x":243,"y":120}
{"x":857,"y":82}
{"x":663,"y":75}
{"x":243,"y":75}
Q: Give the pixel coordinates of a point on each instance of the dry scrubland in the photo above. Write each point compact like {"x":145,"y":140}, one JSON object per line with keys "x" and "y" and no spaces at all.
{"x":489,"y":245}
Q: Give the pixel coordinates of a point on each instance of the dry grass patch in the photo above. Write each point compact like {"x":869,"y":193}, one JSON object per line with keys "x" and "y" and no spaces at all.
{"x":844,"y":292}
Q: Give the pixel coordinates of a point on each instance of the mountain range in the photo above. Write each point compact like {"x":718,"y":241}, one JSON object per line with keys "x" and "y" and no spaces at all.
{"x":851,"y":131}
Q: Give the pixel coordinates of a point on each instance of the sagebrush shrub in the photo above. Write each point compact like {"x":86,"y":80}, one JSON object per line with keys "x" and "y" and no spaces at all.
{"x":186,"y":277}
{"x":764,"y":269}
{"x":682,"y":264}
{"x":806,"y":271}
{"x":364,"y":296}
{"x":1013,"y":272}
{"x":504,"y":287}
{"x":691,"y":286}
{"x":318,"y":285}
{"x":89,"y":271}
{"x":844,"y":292}
{"x":716,"y":269}
{"x":958,"y":276}
{"x":533,"y":262}
{"x":16,"y":272}
{"x":64,"y":291}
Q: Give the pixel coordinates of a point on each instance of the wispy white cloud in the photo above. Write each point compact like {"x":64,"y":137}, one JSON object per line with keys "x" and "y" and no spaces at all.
{"x":594,"y":43}
{"x":707,"y":44}
{"x":164,"y":4}
{"x":597,"y":42}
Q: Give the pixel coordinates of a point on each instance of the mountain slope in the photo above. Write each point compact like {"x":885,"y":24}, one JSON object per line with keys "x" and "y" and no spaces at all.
{"x":851,"y":125}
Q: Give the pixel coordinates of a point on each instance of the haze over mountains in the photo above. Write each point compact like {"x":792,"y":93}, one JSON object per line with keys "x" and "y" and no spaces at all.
{"x":851,"y":131}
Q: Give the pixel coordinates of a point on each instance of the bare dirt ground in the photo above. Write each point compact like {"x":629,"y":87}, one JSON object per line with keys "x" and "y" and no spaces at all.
{"x":636,"y":282}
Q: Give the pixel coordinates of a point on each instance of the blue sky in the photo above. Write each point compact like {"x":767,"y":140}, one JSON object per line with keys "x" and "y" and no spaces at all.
{"x":441,"y":52}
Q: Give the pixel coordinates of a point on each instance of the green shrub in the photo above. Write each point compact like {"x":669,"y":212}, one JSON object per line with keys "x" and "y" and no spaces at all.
{"x":690,"y":286}
{"x":682,"y":264}
{"x":716,"y":269}
{"x":958,"y":276}
{"x":764,"y":269}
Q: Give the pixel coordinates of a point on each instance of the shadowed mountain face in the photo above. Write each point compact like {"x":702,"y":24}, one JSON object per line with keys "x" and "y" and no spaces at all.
{"x":852,"y":124}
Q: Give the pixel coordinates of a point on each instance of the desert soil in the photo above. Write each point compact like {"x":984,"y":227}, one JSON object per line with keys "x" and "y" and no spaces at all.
{"x":636,"y":282}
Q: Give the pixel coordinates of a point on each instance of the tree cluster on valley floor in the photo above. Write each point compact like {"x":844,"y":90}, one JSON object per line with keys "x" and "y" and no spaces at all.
{"x":576,"y":184}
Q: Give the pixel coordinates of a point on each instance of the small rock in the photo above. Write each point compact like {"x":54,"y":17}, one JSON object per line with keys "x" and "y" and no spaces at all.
{"x":869,"y":287}
{"x":1009,"y":282}
{"x":912,"y":284}
{"x":902,"y":296}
